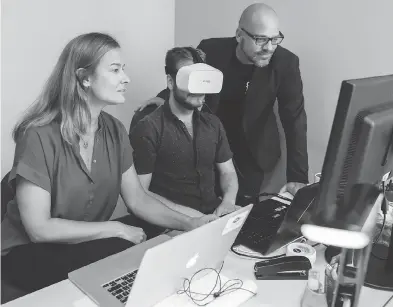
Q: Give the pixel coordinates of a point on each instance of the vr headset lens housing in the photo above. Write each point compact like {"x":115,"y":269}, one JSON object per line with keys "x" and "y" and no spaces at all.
{"x":199,"y":78}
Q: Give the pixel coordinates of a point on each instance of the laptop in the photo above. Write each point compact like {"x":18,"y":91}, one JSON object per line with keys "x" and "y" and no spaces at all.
{"x":273,"y":223}
{"x":146,"y":273}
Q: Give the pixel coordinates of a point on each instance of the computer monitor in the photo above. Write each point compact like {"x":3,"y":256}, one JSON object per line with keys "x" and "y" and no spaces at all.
{"x":359,"y":152}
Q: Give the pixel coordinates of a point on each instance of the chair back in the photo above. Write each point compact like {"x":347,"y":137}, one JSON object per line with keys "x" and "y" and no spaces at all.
{"x":141,"y":114}
{"x":7,"y":194}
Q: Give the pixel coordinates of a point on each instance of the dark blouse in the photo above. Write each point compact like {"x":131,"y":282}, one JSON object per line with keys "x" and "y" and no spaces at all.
{"x":43,"y":157}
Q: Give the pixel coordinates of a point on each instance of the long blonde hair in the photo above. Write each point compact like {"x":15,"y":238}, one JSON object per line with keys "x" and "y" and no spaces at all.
{"x":63,"y":97}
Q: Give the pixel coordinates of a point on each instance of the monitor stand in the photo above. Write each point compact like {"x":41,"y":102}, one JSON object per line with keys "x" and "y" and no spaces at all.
{"x":380,"y":265}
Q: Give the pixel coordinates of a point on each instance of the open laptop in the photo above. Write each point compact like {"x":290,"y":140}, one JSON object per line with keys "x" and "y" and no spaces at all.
{"x":273,"y":223}
{"x":146,"y":273}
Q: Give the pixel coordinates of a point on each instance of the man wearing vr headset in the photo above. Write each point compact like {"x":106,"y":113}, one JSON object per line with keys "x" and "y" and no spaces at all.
{"x":177,"y":147}
{"x":257,"y":73}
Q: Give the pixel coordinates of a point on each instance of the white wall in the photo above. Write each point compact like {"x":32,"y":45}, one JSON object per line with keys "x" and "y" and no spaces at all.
{"x":35,"y":32}
{"x":334,"y":39}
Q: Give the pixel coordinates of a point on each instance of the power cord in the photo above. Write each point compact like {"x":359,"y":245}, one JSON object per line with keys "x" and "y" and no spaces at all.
{"x":380,"y":232}
{"x":384,"y":209}
{"x":233,"y":250}
{"x":387,"y":302}
{"x":223,"y":289}
{"x":389,"y":186}
{"x":376,"y":241}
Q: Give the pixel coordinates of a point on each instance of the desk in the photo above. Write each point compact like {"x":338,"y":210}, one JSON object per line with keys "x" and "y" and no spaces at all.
{"x":271,"y":293}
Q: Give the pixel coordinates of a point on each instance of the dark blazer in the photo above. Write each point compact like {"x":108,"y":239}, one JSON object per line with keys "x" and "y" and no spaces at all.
{"x":281,"y":80}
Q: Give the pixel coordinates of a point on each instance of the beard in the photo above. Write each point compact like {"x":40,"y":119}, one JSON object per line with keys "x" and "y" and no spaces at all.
{"x":182,"y":100}
{"x":255,"y":58}
{"x":258,"y":62}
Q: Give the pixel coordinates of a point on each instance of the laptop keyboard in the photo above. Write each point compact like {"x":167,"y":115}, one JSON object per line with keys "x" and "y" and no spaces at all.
{"x":261,"y":226}
{"x":121,"y":287}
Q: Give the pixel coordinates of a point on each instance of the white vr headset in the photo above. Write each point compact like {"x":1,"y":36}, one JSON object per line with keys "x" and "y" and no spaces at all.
{"x":199,"y":78}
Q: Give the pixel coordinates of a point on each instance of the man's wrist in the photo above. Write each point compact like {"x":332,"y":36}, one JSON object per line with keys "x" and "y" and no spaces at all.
{"x":228,"y":200}
{"x":190,"y":223}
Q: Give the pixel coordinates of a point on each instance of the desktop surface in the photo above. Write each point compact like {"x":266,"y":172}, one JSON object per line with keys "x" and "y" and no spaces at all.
{"x":271,"y":293}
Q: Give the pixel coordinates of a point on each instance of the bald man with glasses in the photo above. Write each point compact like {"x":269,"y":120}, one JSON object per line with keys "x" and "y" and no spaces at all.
{"x":257,"y":72}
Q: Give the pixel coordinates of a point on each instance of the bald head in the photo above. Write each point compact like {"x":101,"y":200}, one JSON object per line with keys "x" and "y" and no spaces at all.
{"x":259,"y":18}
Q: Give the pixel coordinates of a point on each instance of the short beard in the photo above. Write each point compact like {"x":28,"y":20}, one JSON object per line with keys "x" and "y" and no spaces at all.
{"x":182,"y":101}
{"x":252,"y":59}
{"x":262,"y":63}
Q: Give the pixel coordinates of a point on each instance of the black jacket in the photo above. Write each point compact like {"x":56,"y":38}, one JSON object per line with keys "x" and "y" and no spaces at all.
{"x":282,"y":82}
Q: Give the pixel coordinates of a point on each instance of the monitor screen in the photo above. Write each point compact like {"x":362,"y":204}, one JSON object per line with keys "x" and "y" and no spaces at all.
{"x":357,"y":99}
{"x":359,"y":153}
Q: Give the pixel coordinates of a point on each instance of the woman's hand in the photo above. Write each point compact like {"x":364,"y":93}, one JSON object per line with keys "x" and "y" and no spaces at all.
{"x":133,"y":234}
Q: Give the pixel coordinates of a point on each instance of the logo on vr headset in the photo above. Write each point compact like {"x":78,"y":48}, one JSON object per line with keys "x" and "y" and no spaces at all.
{"x":199,"y":78}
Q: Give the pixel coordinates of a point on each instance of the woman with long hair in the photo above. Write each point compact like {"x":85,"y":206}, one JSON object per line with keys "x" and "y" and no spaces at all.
{"x":72,"y":160}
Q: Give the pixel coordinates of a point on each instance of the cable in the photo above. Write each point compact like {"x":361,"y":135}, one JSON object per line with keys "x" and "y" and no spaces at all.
{"x":387,"y":302}
{"x":255,"y":257}
{"x":379,"y":235}
{"x":389,"y":186}
{"x":383,"y":226}
{"x":384,"y":209}
{"x":224,"y":289}
{"x":262,"y":257}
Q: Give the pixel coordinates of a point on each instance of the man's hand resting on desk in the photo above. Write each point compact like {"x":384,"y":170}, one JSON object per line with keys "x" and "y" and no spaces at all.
{"x":292,"y":187}
{"x":225,"y":208}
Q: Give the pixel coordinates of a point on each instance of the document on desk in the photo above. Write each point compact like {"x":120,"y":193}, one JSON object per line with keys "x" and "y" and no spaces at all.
{"x":205,"y":285}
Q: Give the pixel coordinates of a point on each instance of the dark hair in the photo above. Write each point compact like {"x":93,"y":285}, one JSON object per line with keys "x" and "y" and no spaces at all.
{"x":178,"y":54}
{"x":63,"y":96}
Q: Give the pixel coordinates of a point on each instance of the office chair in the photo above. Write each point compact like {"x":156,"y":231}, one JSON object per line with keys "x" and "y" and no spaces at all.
{"x":140,"y":115}
{"x":7,"y":194}
{"x":8,"y":291}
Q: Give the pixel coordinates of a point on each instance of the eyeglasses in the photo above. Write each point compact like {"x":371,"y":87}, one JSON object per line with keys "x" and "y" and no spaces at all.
{"x":263,"y":40}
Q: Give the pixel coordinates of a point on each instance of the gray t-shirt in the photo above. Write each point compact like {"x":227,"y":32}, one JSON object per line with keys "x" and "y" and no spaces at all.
{"x":43,"y":157}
